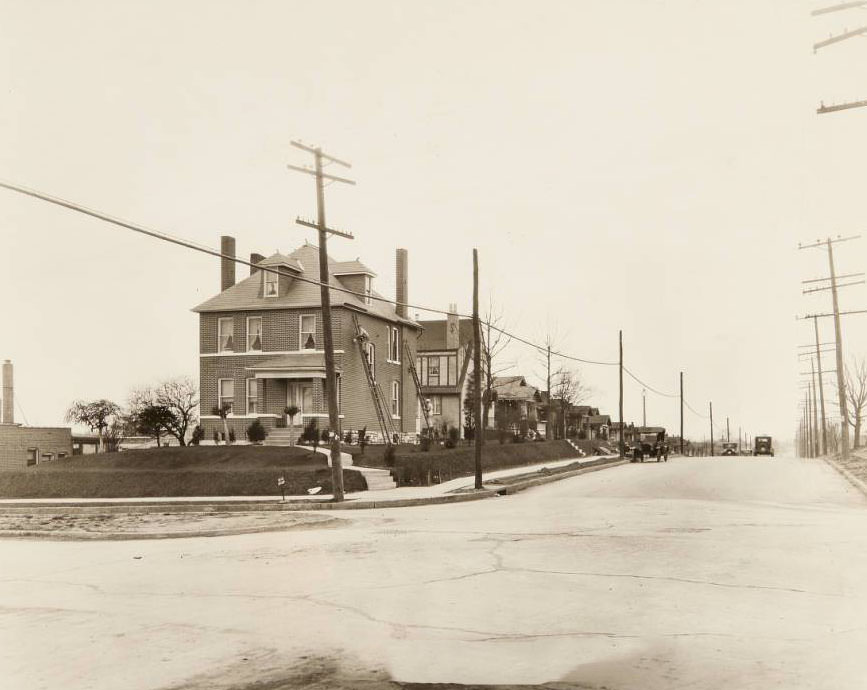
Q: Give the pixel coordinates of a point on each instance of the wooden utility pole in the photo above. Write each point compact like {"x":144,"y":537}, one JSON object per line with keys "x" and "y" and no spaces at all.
{"x":477,"y":366}
{"x":549,"y":427}
{"x":643,"y":408}
{"x":324,"y":290}
{"x":815,"y":419}
{"x":681,"y":414}
{"x":728,"y":432}
{"x":833,"y":286}
{"x":710,"y":407}
{"x":821,"y":387}
{"x":620,"y":403}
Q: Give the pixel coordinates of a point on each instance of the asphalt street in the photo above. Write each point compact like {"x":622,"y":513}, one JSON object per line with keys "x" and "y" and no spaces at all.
{"x":696,"y":573}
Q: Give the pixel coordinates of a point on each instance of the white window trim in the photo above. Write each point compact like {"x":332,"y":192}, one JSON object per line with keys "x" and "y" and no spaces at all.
{"x":269,"y":353}
{"x":302,"y":332}
{"x":220,"y":321}
{"x":265,"y":281}
{"x":247,"y":395}
{"x":395,"y":387}
{"x":393,"y":334}
{"x":261,"y":333}
{"x":220,"y":395}
{"x":371,"y":358}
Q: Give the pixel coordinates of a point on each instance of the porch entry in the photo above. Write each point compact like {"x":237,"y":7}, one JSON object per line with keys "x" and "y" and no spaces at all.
{"x":300,"y":394}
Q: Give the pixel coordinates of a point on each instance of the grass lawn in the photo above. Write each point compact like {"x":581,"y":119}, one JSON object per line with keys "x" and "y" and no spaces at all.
{"x":173,"y":471}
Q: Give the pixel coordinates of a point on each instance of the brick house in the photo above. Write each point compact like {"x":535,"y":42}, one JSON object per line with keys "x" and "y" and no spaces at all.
{"x":445,"y":365}
{"x":261,"y":345}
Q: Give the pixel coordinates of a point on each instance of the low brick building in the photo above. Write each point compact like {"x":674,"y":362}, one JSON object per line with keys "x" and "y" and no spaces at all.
{"x":27,"y":446}
{"x":261,"y":346}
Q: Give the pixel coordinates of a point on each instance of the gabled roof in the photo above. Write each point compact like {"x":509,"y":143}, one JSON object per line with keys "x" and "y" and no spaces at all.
{"x":434,"y":336}
{"x":600,"y":419}
{"x":247,"y":294}
{"x":515,"y":388}
{"x":279,"y":259}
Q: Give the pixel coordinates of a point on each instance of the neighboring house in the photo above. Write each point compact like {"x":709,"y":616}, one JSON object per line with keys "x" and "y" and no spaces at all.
{"x":598,"y":426}
{"x":27,"y":446}
{"x":577,"y":417}
{"x":517,"y":401}
{"x":261,"y":345}
{"x":628,"y":432}
{"x":444,"y":365}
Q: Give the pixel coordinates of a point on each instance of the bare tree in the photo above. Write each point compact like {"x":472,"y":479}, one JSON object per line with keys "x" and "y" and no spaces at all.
{"x":178,"y":396}
{"x":567,"y":389}
{"x":856,"y":394}
{"x":98,"y":415}
{"x":494,"y":342}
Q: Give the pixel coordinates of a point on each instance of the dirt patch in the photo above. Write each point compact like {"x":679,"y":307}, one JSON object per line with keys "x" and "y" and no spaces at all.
{"x":157,"y":525}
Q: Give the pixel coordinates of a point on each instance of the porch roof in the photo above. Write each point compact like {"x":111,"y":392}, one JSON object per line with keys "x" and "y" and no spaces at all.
{"x":301,"y":365}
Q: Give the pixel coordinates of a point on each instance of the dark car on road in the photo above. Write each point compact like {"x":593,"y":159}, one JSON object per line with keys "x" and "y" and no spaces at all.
{"x":729,"y":448}
{"x":763,"y":446}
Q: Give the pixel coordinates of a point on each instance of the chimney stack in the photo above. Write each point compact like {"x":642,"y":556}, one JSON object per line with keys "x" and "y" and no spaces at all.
{"x":401,"y":275}
{"x":255,"y":259}
{"x":8,"y":416}
{"x":453,"y":328}
{"x":227,"y":266}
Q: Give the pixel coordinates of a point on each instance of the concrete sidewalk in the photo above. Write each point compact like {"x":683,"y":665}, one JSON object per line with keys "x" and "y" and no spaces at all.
{"x":455,"y":490}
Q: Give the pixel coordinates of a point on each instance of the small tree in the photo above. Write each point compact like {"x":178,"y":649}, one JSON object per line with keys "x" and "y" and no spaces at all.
{"x":362,"y":439}
{"x":222,"y":411}
{"x":256,"y":432}
{"x":179,"y":397}
{"x":98,"y":415}
{"x":290,"y":411}
{"x":152,"y":420}
{"x":197,"y":436}
{"x":856,"y":395}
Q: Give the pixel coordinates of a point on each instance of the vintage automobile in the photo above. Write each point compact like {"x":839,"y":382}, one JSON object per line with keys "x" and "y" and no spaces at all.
{"x":763,"y":446}
{"x":729,"y":448}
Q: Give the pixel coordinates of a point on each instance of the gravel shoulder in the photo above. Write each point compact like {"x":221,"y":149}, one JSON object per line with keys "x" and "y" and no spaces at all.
{"x":156,"y":525}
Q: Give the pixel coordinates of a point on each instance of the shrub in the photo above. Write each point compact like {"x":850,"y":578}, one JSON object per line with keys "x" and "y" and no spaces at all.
{"x":362,"y":439}
{"x":216,"y":437}
{"x":424,"y":441}
{"x":231,"y":436}
{"x":452,"y":437}
{"x":325,"y":435}
{"x":389,"y":455}
{"x":256,"y":432}
{"x":197,"y":436}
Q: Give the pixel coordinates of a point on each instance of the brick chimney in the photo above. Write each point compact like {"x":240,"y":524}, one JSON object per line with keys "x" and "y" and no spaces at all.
{"x":227,"y":266}
{"x":401,"y":277}
{"x":255,"y":259}
{"x":8,"y":416}
{"x":453,"y":328}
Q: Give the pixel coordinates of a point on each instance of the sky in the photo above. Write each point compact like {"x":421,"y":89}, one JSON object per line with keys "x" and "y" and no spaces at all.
{"x":638,"y":165}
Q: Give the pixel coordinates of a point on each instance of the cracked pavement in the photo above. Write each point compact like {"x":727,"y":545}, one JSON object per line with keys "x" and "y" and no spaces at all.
{"x":695,"y":574}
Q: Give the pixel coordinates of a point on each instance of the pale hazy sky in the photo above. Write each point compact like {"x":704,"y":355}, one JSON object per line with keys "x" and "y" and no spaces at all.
{"x":644,"y":165}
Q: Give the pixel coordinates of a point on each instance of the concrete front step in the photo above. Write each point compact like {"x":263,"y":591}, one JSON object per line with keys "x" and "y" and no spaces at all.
{"x":377,"y":479}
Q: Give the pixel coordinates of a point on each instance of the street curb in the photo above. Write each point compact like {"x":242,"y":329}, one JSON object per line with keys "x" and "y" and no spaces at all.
{"x":853,"y":480}
{"x":250,"y":507}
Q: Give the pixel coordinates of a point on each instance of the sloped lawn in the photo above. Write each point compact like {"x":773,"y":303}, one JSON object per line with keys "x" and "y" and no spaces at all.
{"x":193,"y":471}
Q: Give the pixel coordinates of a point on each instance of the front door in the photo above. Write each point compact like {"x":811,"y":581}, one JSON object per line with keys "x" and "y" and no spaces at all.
{"x":300,"y":394}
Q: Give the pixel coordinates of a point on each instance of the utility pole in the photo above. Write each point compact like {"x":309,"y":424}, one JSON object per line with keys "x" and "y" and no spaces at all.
{"x":620,"y":404}
{"x":710,"y":407}
{"x":549,"y":427}
{"x":327,"y":333}
{"x":821,"y":387}
{"x":643,"y":408}
{"x":833,"y":286}
{"x":681,"y":414}
{"x":728,"y":431}
{"x":477,"y":379}
{"x":815,"y":420}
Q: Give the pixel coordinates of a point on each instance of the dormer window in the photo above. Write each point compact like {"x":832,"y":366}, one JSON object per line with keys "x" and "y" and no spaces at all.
{"x":225,"y":335}
{"x":271,"y":279}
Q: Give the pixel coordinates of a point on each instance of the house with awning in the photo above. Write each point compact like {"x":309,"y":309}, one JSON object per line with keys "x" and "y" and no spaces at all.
{"x":261,"y":346}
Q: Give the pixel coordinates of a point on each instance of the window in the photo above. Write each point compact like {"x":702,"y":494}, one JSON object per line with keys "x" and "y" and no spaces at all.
{"x":371,"y":359}
{"x":368,"y":289}
{"x":60,"y":456}
{"x":47,"y":457}
{"x":254,"y":333}
{"x":252,"y":396}
{"x":395,"y":398}
{"x":438,"y":370}
{"x":393,"y":344}
{"x":271,"y":288}
{"x":435,"y":404}
{"x":226,"y":393}
{"x":32,"y":456}
{"x":308,"y":332}
{"x":225,"y":336}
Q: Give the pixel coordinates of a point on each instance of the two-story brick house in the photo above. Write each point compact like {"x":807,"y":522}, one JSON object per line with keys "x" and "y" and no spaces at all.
{"x":261,"y":345}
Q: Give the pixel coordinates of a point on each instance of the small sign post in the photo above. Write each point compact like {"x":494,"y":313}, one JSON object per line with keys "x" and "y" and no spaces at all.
{"x":281,"y":482}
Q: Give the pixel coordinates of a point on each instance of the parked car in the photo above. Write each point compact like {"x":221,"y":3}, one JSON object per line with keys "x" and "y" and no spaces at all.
{"x":729,"y":448}
{"x":763,"y":446}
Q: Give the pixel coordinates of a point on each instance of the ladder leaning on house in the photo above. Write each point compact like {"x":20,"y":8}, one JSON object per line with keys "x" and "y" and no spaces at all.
{"x":417,"y":381}
{"x":379,"y":402}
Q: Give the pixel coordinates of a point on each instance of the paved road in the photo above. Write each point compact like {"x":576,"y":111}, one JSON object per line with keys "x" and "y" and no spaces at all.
{"x":712,"y":573}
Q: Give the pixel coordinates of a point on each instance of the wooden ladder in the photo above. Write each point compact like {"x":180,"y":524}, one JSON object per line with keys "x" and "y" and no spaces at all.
{"x":417,"y":382}
{"x":379,"y":402}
